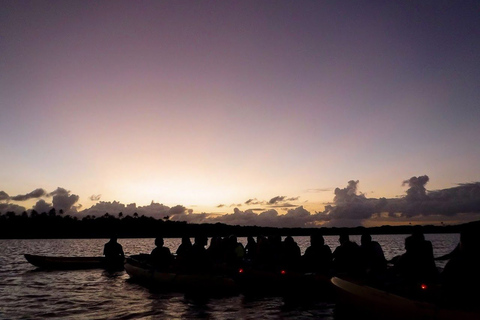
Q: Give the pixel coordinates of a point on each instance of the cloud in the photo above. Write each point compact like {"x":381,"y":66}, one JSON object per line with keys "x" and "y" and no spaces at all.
{"x":6,"y":207}
{"x":42,"y":206}
{"x":298,"y":217}
{"x":276,"y":199}
{"x":253,"y":202}
{"x":37,"y":193}
{"x":350,"y":208}
{"x":3,"y":196}
{"x":417,"y":189}
{"x":319,"y":190}
{"x":95,"y":197}
{"x":275,"y":202}
{"x":63,"y":200}
{"x":154,"y":209}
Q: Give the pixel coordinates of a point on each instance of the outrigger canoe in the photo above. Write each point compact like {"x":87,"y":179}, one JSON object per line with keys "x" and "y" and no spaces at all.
{"x":201,"y":283}
{"x":72,"y":263}
{"x":380,"y":304}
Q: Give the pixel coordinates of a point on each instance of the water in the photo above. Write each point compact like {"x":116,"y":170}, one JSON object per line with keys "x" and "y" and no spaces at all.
{"x":29,"y":293}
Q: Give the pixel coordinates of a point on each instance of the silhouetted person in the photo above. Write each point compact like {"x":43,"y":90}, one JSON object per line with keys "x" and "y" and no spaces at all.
{"x":373,"y":258}
{"x":234,"y":251}
{"x":198,"y":260}
{"x":161,"y":257}
{"x":113,"y":252}
{"x":262,"y":256}
{"x":460,"y":277}
{"x":318,"y":256}
{"x":346,"y":257}
{"x":251,"y":249}
{"x":274,"y":251}
{"x":216,"y":250}
{"x":291,"y":254}
{"x":184,"y":248}
{"x":416,"y":265}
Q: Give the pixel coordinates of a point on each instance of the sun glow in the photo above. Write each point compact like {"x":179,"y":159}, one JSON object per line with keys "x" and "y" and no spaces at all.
{"x":174,"y":192}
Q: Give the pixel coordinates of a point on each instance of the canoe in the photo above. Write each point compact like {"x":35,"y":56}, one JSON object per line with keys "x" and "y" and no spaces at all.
{"x":380,"y":304}
{"x":201,"y":283}
{"x":72,"y":263}
{"x":283,"y":282}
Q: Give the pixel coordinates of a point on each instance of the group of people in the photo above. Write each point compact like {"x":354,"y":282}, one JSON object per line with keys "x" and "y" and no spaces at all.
{"x":365,"y":260}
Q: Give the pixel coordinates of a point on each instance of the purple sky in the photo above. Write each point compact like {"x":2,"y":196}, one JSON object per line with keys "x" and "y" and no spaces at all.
{"x":267,"y":111}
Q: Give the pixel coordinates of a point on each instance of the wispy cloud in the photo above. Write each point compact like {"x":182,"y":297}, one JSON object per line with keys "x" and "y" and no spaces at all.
{"x":95,"y":197}
{"x":37,"y":193}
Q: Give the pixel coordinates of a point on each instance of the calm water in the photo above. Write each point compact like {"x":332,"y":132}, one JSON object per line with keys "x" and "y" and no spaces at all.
{"x":29,"y":293}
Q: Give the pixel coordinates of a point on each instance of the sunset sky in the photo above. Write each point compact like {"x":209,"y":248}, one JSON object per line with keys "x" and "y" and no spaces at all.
{"x":278,"y":113}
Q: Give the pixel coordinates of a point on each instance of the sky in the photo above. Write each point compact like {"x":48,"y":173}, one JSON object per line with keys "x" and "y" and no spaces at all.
{"x":271,"y":113}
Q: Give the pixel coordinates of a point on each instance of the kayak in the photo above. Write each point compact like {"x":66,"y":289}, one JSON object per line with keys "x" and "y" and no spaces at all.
{"x":71,"y":263}
{"x":381,"y":304}
{"x":200,"y":283}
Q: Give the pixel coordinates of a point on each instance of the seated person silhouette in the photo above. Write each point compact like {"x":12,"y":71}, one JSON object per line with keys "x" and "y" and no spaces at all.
{"x":198,"y":260}
{"x":373,"y":258}
{"x":414,"y":268}
{"x":161,"y":257}
{"x":318,"y":256}
{"x":460,"y":276}
{"x":346,"y":257}
{"x":113,"y":252}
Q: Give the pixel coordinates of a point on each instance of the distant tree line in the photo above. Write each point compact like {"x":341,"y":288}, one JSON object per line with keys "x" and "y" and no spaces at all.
{"x":51,"y":224}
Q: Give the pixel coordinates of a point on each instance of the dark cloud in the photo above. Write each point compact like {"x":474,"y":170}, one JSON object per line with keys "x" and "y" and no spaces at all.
{"x":352,"y":208}
{"x":154,"y":209}
{"x":283,"y":205}
{"x":95,"y":197}
{"x":3,"y":196}
{"x":6,"y":207}
{"x":178,"y":209}
{"x":417,"y":190}
{"x":37,"y":193}
{"x":253,"y":202}
{"x":63,"y":200}
{"x":275,"y":202}
{"x":276,"y":199}
{"x":42,"y":206}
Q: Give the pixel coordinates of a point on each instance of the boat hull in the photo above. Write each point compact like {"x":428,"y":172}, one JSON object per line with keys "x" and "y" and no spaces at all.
{"x":204,"y":283}
{"x":380,"y":304}
{"x":283,"y":283}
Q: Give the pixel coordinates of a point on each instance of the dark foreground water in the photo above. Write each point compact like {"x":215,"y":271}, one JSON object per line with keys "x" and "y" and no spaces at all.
{"x":30,"y":293}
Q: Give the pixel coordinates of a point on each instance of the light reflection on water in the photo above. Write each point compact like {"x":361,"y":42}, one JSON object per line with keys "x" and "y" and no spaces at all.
{"x":29,"y":293}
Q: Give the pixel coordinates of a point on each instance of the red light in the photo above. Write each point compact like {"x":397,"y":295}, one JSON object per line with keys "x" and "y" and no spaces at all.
{"x":240,"y":270}
{"x":283,"y":272}
{"x":423,"y":286}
